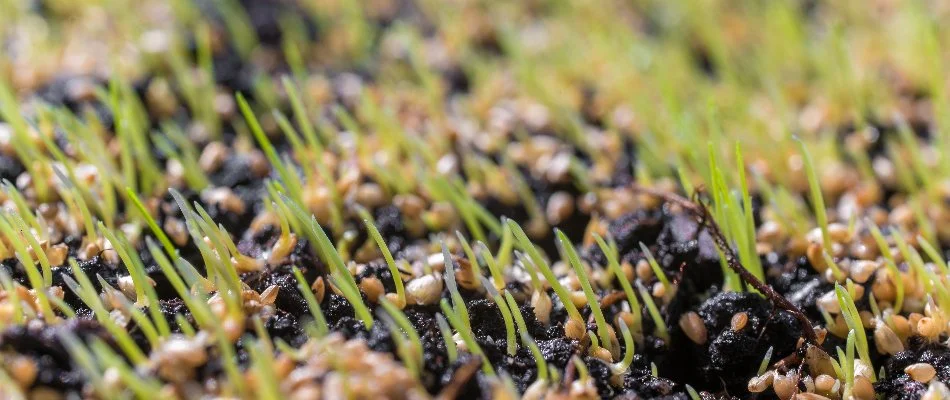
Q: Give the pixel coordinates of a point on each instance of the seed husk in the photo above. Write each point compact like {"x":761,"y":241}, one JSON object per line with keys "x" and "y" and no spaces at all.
{"x":541,"y":302}
{"x":921,"y":372}
{"x":759,"y":384}
{"x":693,"y":327}
{"x":886,"y":341}
{"x":424,"y":290}
{"x":372,"y":287}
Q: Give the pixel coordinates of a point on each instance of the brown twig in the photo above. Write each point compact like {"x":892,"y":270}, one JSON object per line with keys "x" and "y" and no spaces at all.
{"x":699,"y":210}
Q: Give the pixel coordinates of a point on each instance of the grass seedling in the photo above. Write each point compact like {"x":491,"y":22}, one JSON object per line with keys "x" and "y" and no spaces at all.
{"x":36,"y":280}
{"x":764,"y":365}
{"x":657,"y":270}
{"x":736,"y":218}
{"x":289,"y":179}
{"x":661,"y":330}
{"x":16,"y":313}
{"x":315,"y":310}
{"x":583,"y":374}
{"x":446,"y":331}
{"x":913,"y":259}
{"x":84,"y":359}
{"x":850,"y":314}
{"x":198,"y":307}
{"x":692,"y":393}
{"x":458,"y":303}
{"x":629,"y":351}
{"x":87,"y":293}
{"x":497,"y":278}
{"x":836,"y":271}
{"x":34,"y":244}
{"x":466,"y":334}
{"x":156,"y":230}
{"x":582,"y":276}
{"x":493,"y":294}
{"x":889,"y":263}
{"x":262,"y":363}
{"x":388,"y":256}
{"x":846,"y":363}
{"x":817,"y":200}
{"x":506,"y":246}
{"x":408,"y":343}
{"x":239,"y":26}
{"x":141,"y":386}
{"x":24,"y":210}
{"x":539,"y":360}
{"x":217,"y":264}
{"x":402,"y":321}
{"x":344,"y":280}
{"x":142,"y":321}
{"x":186,"y":155}
{"x":470,"y":254}
{"x":611,"y":254}
{"x":75,"y":201}
{"x":404,"y":347}
{"x":139,"y":279}
{"x":539,"y":262}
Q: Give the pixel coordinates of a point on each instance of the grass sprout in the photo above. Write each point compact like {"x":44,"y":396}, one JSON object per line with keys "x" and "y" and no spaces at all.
{"x":511,"y":345}
{"x":582,"y":276}
{"x":661,"y":329}
{"x":387,"y":255}
{"x":458,"y":303}
{"x":86,"y":292}
{"x":446,"y":332}
{"x":466,"y":334}
{"x":850,"y":313}
{"x":315,"y":310}
{"x":539,"y":262}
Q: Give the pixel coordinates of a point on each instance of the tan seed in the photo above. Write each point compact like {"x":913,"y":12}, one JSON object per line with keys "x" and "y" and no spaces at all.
{"x":921,"y":372}
{"x":575,"y":329}
{"x":560,"y":207}
{"x":541,"y":302}
{"x":370,"y":195}
{"x":600,"y":353}
{"x":929,"y":328}
{"x":886,"y":340}
{"x":282,"y":248}
{"x":901,"y":325}
{"x":825,"y":383}
{"x":579,"y":299}
{"x":739,"y":321}
{"x":693,"y":327}
{"x":213,"y":156}
{"x":863,"y":389}
{"x":319,"y":288}
{"x":23,"y":370}
{"x":759,"y":384}
{"x":644,"y":272}
{"x":372,"y":287}
{"x":862,"y":270}
{"x":785,"y":385}
{"x":424,"y":290}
